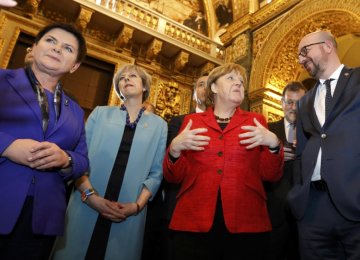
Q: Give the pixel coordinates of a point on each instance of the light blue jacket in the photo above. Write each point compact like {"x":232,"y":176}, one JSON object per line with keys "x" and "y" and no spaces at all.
{"x":104,"y":131}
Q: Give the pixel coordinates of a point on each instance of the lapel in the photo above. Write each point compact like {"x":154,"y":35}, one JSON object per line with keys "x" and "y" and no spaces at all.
{"x":279,"y":129}
{"x":19,"y":81}
{"x":339,"y":89}
{"x":65,"y":108}
{"x":310,"y":107}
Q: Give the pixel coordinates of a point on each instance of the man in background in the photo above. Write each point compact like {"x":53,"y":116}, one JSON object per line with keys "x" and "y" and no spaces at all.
{"x":283,"y":237}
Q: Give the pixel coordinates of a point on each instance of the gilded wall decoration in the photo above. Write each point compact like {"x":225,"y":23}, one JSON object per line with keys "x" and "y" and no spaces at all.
{"x":261,"y":35}
{"x":181,"y":60}
{"x":84,"y":18}
{"x":239,"y":49}
{"x":271,"y":117}
{"x":240,"y":8}
{"x":171,"y":97}
{"x":124,"y":37}
{"x":154,"y":49}
{"x":168,"y":100}
{"x":276,"y":61}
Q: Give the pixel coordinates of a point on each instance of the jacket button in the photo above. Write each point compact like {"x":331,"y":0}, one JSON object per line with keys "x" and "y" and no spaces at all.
{"x":220,"y":154}
{"x":219,"y":171}
{"x":221,"y":137}
{"x":323,"y":136}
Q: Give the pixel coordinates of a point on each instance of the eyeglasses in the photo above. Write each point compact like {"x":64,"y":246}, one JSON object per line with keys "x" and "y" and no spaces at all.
{"x":289,"y":102}
{"x":304,"y":51}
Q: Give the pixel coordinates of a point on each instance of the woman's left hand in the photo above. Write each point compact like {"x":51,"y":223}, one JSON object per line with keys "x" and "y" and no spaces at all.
{"x":46,"y":155}
{"x":128,"y":209}
{"x":258,"y":135}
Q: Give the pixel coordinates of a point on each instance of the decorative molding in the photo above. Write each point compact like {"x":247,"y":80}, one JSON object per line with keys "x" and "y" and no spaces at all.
{"x":32,"y":6}
{"x":181,"y":60}
{"x":154,"y":49}
{"x":207,"y":67}
{"x":84,"y":18}
{"x":124,"y":37}
{"x":239,"y":49}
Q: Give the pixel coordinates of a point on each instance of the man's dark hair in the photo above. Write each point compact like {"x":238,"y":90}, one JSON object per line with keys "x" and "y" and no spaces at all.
{"x":70,"y":29}
{"x":294,"y":86}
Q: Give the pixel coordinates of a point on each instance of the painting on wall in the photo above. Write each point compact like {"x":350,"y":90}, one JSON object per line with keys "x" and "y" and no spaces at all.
{"x":224,"y":14}
{"x":188,"y":12}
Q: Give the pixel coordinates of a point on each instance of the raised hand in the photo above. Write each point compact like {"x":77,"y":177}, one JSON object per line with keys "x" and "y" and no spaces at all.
{"x":258,"y":135}
{"x":189,"y":140}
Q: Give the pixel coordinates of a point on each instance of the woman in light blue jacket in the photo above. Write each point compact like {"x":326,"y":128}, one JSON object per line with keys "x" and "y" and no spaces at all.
{"x":106,"y":219}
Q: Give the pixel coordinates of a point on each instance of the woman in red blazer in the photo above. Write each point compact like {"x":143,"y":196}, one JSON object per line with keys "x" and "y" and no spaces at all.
{"x":220,"y":158}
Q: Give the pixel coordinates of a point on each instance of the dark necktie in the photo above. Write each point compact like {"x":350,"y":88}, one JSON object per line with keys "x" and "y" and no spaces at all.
{"x":328,"y":97}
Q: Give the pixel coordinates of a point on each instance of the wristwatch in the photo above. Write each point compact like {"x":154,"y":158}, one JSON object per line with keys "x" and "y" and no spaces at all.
{"x":87,"y":193}
{"x":70,"y":160}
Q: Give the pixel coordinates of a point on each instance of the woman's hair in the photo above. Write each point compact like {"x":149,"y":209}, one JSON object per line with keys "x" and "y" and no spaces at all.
{"x":219,"y":72}
{"x":145,"y":78}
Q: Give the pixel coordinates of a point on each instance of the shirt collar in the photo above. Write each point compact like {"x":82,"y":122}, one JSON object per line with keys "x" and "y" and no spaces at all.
{"x":335,"y":75}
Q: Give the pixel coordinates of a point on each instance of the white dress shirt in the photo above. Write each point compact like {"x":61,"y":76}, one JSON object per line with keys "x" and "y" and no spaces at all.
{"x":319,"y":106}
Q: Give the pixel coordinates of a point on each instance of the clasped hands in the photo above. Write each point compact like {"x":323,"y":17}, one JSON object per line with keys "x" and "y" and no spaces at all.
{"x":112,"y":210}
{"x":193,"y":139}
{"x":37,"y":155}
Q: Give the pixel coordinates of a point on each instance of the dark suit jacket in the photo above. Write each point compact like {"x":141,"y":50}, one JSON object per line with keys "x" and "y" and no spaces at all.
{"x":20,"y":118}
{"x":277,"y":191}
{"x":171,"y":189}
{"x":339,"y":141}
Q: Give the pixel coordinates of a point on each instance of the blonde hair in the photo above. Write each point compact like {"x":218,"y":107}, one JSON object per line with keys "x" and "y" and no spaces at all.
{"x":219,"y":72}
{"x":145,"y":79}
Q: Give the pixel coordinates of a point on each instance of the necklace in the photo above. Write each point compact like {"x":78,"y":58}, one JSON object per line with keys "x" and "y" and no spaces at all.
{"x":133,"y":124}
{"x":223,"y":119}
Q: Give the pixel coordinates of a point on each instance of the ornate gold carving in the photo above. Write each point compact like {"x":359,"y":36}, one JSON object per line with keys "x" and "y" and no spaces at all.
{"x":276,"y":61}
{"x":239,"y":49}
{"x":181,"y":60}
{"x":32,"y":6}
{"x":260,"y":37}
{"x":124,"y":37}
{"x":84,"y":18}
{"x":207,"y":67}
{"x":267,"y":12}
{"x":168,"y":100}
{"x":154,"y":49}
{"x":10,"y":48}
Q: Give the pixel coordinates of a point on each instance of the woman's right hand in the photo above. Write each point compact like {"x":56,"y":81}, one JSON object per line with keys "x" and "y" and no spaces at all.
{"x":108,"y":209}
{"x":19,"y":151}
{"x":189,"y":140}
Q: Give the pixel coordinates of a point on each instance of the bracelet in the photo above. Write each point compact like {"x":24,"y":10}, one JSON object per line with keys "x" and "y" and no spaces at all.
{"x":87,"y":193}
{"x":137,"y":209}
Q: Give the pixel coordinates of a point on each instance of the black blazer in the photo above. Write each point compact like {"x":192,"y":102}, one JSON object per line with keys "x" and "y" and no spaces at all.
{"x":339,"y":140}
{"x":171,"y":189}
{"x":277,"y":191}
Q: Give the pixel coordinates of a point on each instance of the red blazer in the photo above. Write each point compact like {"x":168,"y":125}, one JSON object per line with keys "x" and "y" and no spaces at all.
{"x":224,"y":165}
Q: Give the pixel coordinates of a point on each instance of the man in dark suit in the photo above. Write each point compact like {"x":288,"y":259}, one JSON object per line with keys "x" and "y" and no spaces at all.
{"x":325,"y":198}
{"x":283,"y":237}
{"x":164,"y":202}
